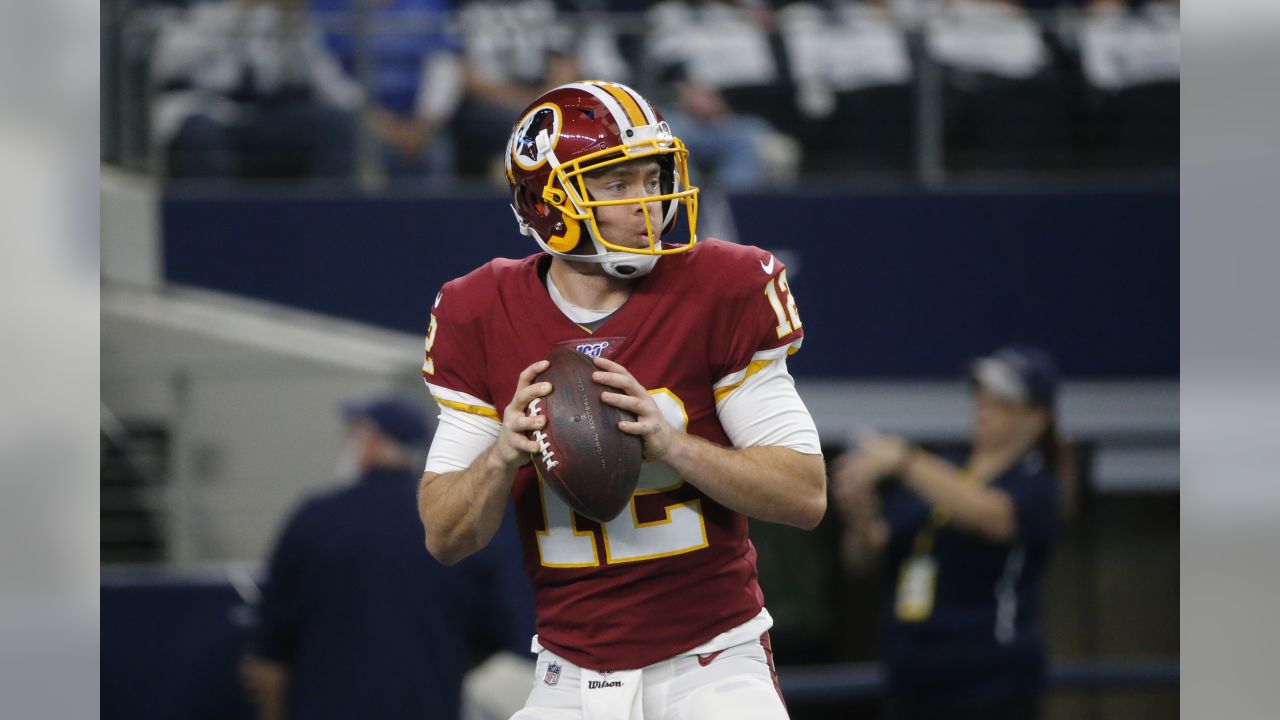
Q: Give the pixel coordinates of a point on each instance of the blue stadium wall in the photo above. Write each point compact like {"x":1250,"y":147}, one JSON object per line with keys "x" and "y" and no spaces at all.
{"x":900,"y":284}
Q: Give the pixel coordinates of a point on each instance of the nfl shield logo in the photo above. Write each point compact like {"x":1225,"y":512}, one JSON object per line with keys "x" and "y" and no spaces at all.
{"x":553,"y":674}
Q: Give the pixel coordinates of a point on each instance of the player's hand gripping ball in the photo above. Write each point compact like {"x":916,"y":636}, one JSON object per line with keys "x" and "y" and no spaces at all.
{"x":584,"y":457}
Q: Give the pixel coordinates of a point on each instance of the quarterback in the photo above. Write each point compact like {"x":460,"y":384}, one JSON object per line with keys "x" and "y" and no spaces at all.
{"x":656,"y":614}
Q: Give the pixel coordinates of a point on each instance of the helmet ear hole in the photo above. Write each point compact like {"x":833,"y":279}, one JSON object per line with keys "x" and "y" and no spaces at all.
{"x":527,"y":202}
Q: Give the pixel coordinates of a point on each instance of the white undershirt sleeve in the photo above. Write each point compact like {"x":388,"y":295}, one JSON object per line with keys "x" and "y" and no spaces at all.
{"x":765,"y":410}
{"x":460,"y":438}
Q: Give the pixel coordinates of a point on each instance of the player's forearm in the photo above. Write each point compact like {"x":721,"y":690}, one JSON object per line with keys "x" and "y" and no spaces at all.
{"x":768,"y":483}
{"x":975,"y":507}
{"x":461,"y":511}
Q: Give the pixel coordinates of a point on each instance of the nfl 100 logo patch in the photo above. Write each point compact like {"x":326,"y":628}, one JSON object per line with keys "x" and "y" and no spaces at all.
{"x":593,"y":350}
{"x":553,"y":674}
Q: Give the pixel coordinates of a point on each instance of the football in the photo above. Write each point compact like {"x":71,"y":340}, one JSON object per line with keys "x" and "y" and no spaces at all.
{"x":584,"y":457}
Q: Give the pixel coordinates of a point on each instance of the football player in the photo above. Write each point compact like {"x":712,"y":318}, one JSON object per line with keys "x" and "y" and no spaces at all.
{"x":657,"y":613}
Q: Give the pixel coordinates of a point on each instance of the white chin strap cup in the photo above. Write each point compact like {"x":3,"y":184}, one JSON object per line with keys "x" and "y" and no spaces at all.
{"x":633,"y":266}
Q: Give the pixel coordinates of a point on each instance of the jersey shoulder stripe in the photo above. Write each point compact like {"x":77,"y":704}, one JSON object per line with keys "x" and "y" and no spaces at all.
{"x":759,"y":361}
{"x":462,"y":401}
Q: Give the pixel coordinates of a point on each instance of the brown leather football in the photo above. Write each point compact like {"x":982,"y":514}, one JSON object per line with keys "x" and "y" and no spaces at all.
{"x":585,"y":458}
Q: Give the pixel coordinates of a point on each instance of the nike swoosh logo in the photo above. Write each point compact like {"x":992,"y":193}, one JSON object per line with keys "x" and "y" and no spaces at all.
{"x":767,"y":267}
{"x":705,"y":660}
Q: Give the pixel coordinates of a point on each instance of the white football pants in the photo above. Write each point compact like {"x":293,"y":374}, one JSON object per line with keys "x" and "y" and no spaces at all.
{"x":737,"y":683}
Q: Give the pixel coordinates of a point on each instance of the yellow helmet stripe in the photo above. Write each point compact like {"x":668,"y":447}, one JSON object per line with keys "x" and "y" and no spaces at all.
{"x":628,"y":103}
{"x":649,"y":117}
{"x":615,"y":108}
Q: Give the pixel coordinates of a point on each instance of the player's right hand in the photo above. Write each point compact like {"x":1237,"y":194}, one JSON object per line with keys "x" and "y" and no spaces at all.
{"x":513,"y":444}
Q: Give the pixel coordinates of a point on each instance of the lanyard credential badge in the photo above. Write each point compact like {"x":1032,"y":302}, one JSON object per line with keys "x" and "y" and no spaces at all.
{"x":916,"y":585}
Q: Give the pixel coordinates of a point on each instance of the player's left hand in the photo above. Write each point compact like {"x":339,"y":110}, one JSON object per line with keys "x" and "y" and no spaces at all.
{"x":658,"y":436}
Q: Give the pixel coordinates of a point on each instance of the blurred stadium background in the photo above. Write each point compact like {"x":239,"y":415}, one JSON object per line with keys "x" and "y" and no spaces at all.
{"x":941,"y":178}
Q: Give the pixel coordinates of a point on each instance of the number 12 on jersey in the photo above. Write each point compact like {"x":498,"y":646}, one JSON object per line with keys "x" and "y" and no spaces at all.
{"x":789,"y":319}
{"x":626,"y":537}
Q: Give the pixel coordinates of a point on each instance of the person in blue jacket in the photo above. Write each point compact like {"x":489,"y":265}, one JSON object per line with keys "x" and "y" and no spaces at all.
{"x":415,"y":76}
{"x":967,"y":543}
{"x":357,"y":620}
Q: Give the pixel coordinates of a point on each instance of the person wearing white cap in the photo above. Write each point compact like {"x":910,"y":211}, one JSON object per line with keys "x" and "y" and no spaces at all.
{"x":968,"y":540}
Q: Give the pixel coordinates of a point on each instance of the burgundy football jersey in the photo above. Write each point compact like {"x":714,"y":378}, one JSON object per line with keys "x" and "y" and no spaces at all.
{"x":676,"y":568}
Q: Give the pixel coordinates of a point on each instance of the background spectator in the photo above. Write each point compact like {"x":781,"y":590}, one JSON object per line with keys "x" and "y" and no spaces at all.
{"x":1006,"y":106}
{"x":514,"y":51}
{"x":245,"y":88}
{"x":851,"y":67}
{"x":357,"y":620}
{"x":968,"y":542}
{"x":715,"y":62}
{"x":416,"y":77}
{"x":1131,"y":57}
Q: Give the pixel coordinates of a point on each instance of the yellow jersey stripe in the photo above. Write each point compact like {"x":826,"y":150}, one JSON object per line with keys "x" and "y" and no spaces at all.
{"x":752,"y":369}
{"x":473,"y":409}
{"x":628,"y":103}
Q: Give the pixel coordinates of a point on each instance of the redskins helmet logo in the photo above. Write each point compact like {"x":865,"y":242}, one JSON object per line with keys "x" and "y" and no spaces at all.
{"x":525,"y":149}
